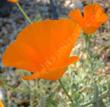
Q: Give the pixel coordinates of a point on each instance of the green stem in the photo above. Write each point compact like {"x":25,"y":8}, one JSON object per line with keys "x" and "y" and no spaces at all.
{"x":69,"y":97}
{"x":23,"y":12}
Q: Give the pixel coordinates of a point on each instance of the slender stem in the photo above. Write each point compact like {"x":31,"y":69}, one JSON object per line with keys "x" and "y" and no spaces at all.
{"x":23,"y":12}
{"x":69,"y":97}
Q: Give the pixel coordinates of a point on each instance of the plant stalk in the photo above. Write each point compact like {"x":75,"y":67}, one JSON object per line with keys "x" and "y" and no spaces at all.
{"x":66,"y":92}
{"x":23,"y":12}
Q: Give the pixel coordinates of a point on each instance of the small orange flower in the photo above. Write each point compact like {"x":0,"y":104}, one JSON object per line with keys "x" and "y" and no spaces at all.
{"x":13,"y":1}
{"x":92,"y":19}
{"x":43,"y":48}
{"x":1,"y":104}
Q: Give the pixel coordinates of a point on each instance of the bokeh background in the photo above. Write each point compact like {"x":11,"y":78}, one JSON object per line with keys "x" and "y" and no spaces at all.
{"x":87,"y":81}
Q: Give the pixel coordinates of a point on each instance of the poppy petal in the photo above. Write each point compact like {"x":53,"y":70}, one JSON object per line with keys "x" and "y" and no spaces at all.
{"x":76,"y":15}
{"x":53,"y":74}
{"x":61,"y":56}
{"x":90,"y":29}
{"x":89,"y":11}
{"x":21,"y":55}
{"x":101,"y":16}
{"x":47,"y":35}
{"x":48,"y":75}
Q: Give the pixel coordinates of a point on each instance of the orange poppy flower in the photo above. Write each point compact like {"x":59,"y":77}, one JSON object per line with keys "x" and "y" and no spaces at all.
{"x":43,"y":48}
{"x":1,"y":104}
{"x":92,"y":19}
{"x":13,"y":1}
